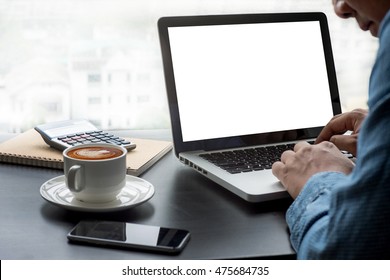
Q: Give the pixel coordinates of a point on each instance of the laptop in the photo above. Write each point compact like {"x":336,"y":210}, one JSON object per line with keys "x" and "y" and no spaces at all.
{"x":238,"y":84}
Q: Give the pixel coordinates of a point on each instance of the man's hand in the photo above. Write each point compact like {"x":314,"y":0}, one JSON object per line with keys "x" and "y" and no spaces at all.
{"x":296,"y":167}
{"x":338,"y":125}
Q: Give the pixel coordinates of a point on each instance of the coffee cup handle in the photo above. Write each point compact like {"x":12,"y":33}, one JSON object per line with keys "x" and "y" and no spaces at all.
{"x":72,"y":179}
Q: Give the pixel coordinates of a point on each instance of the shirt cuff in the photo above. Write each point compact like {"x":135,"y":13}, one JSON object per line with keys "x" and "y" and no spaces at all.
{"x":311,"y":204}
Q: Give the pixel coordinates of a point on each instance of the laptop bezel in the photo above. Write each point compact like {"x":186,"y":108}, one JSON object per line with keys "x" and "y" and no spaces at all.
{"x":244,"y":140}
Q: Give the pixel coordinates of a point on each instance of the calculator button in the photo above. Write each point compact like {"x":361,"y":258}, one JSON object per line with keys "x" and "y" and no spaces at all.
{"x":94,"y":134}
{"x":93,"y":137}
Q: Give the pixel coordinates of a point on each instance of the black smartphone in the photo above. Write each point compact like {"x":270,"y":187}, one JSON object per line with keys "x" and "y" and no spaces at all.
{"x":129,"y":235}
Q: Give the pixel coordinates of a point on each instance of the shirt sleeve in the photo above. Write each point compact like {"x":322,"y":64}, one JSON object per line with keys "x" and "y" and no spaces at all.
{"x":309,"y":211}
{"x":340,"y":216}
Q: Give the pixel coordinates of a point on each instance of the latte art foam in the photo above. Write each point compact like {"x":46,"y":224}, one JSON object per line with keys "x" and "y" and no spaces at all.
{"x":95,"y":153}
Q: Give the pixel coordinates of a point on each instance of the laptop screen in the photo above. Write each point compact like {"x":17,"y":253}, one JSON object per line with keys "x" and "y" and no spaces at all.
{"x":249,"y":78}
{"x":233,"y":79}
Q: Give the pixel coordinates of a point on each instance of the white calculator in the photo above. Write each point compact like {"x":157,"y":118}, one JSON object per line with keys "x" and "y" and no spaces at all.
{"x":64,"y":134}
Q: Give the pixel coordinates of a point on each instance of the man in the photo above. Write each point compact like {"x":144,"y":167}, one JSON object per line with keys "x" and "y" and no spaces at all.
{"x":342,"y":210}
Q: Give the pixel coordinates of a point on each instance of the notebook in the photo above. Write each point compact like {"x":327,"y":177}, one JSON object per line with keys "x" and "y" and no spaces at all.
{"x":246,"y":82}
{"x":28,"y":148}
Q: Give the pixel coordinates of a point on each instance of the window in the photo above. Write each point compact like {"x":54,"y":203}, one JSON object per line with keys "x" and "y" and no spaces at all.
{"x":94,"y":79}
{"x":102,"y":58}
{"x":93,"y":100}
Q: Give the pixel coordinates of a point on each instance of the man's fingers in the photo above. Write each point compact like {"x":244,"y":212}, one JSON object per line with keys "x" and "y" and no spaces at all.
{"x":345,"y":143}
{"x":342,"y":123}
{"x":300,"y":145}
{"x":337,"y":125}
{"x":278,"y":169}
{"x":286,"y":155}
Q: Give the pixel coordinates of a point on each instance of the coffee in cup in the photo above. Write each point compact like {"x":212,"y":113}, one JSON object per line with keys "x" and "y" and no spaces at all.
{"x":95,"y":173}
{"x":95,"y":153}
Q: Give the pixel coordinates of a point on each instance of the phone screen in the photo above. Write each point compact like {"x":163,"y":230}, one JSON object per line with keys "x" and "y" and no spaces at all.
{"x":130,"y":235}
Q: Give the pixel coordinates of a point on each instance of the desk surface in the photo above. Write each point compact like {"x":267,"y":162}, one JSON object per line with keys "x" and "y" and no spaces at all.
{"x":222,"y":225}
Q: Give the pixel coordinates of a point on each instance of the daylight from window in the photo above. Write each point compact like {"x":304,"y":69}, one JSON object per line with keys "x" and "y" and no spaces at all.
{"x":100,"y":60}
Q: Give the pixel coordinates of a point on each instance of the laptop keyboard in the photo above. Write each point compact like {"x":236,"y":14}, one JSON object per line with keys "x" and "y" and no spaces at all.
{"x":252,"y":159}
{"x":247,"y":160}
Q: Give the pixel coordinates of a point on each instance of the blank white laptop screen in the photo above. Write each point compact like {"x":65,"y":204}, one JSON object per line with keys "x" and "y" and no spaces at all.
{"x":243,"y":79}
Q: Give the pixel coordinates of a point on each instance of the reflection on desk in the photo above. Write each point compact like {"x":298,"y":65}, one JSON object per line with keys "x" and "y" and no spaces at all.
{"x":222,"y":225}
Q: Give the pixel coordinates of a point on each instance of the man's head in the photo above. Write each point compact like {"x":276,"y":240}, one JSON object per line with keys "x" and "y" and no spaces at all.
{"x":368,"y":13}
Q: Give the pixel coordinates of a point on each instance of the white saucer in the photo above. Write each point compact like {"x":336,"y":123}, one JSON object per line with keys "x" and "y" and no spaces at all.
{"x":136,"y":192}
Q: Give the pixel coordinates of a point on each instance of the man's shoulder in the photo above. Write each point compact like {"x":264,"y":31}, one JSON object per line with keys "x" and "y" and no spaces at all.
{"x":384,"y":30}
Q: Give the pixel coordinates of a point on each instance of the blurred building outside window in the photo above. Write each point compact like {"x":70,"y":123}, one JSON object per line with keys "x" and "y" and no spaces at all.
{"x":100,"y":60}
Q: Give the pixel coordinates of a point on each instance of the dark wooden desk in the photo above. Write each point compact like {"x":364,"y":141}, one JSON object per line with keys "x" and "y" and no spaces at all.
{"x":222,"y":225}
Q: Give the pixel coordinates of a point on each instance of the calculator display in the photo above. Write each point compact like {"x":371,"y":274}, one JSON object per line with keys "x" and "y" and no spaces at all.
{"x":74,"y":128}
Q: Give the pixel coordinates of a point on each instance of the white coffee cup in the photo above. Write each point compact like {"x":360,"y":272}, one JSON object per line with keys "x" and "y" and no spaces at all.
{"x":95,"y":173}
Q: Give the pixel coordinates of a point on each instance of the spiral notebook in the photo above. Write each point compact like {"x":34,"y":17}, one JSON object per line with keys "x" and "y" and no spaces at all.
{"x":29,"y":148}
